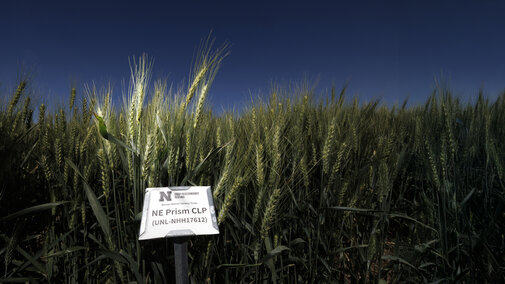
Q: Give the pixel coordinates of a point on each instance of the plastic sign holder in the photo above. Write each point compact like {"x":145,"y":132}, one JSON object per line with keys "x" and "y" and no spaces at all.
{"x":178,"y":212}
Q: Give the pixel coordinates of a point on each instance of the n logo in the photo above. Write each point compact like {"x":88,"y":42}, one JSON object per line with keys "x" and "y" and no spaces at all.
{"x":165,"y":196}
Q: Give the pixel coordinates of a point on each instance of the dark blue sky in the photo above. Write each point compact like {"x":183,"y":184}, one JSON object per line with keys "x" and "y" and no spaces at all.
{"x":385,"y":49}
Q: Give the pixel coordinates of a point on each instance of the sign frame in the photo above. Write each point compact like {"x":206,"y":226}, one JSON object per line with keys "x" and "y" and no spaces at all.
{"x":178,"y":211}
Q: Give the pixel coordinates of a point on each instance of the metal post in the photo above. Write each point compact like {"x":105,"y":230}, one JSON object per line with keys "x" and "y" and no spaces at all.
{"x":181,"y":260}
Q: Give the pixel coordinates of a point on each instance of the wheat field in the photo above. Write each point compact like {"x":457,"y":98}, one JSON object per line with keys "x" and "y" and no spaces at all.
{"x":307,"y":190}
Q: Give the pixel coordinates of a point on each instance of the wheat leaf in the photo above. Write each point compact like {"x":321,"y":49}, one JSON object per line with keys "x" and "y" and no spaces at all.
{"x":100,"y":215}
{"x":36,"y":208}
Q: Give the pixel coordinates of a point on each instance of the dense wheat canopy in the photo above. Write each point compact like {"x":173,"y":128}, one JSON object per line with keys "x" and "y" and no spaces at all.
{"x":307,"y":191}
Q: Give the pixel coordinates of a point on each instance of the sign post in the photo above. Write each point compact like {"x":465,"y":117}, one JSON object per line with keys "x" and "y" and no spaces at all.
{"x":178,"y":212}
{"x":181,"y":260}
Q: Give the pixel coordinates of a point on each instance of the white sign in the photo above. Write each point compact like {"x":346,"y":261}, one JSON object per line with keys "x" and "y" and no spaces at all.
{"x":178,"y":211}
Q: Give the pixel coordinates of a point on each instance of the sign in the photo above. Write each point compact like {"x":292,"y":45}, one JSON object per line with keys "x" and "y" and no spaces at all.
{"x":178,"y":211}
